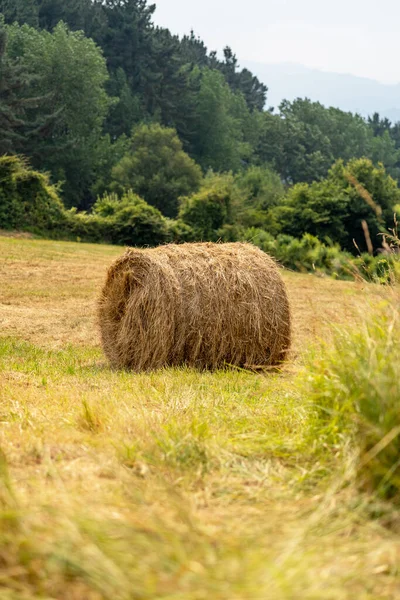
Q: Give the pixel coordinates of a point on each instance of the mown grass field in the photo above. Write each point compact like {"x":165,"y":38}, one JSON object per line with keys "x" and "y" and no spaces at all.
{"x":174,"y":484}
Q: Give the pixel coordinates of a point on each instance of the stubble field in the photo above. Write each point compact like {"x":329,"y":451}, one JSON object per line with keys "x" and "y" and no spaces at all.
{"x":173,"y":484}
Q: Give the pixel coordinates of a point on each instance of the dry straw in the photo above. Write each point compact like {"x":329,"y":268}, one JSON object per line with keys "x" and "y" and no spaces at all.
{"x":204,"y":305}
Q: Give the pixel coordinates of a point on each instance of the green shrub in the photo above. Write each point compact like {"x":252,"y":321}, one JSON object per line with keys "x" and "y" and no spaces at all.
{"x":229,"y":233}
{"x":257,"y":191}
{"x":179,"y":232}
{"x":336,"y":206}
{"x":355,"y":388}
{"x":207,"y":211}
{"x":27,"y":199}
{"x":81,"y":226}
{"x":309,"y":255}
{"x":29,"y":202}
{"x":127,"y":221}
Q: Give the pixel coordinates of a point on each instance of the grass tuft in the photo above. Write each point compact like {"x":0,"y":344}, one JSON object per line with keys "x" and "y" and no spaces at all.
{"x":355,"y":389}
{"x":90,"y":419}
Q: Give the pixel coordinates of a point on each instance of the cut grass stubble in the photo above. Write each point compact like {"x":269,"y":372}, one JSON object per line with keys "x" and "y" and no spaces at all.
{"x":177,"y":484}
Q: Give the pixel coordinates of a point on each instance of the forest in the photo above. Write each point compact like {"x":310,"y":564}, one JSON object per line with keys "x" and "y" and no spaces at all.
{"x":114,"y":129}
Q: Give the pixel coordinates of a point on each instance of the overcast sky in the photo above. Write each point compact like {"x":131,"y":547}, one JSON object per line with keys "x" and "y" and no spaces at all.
{"x":361,"y":37}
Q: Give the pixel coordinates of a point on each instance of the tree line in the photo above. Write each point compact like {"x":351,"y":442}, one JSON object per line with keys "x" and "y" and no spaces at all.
{"x":92,"y":92}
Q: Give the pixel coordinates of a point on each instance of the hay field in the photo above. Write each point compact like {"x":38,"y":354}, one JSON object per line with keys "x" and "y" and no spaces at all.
{"x":172,"y":485}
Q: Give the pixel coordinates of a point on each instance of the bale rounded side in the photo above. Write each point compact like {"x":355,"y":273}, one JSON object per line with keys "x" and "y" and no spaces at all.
{"x":204,"y":305}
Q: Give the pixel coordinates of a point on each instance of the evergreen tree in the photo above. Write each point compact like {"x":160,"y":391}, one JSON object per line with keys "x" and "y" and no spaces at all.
{"x":75,"y":13}
{"x":20,"y":11}
{"x":379,"y":126}
{"x":193,"y":51}
{"x":68,"y":74}
{"x":219,"y":139}
{"x":127,"y":110}
{"x":254,"y":92}
{"x":125,"y":35}
{"x":22,"y":124}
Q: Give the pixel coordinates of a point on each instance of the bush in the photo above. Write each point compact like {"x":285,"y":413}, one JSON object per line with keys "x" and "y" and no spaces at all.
{"x":127,"y":221}
{"x":29,"y":202}
{"x":84,"y":227}
{"x":335,"y":207}
{"x":309,"y":255}
{"x":180,"y":232}
{"x":210,"y":209}
{"x":27,"y":199}
{"x":355,"y":388}
{"x":258,"y":190}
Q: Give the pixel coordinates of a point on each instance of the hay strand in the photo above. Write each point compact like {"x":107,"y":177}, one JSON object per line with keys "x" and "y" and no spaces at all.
{"x":204,"y":305}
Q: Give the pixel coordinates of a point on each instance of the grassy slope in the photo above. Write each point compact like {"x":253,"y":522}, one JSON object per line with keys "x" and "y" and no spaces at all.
{"x":175,"y":484}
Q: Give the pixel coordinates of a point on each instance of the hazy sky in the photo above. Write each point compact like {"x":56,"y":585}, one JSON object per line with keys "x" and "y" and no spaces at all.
{"x":361,"y":37}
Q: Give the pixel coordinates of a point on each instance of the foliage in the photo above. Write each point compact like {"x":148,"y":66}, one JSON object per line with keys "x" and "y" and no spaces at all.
{"x":219,"y":137}
{"x":179,"y":231}
{"x":27,"y":199}
{"x":243,"y":81}
{"x":69,"y":73}
{"x":21,"y":124}
{"x":335,"y":207}
{"x":207,"y":211}
{"x":305,"y":138}
{"x":318,"y":209}
{"x":127,"y":221}
{"x":228,"y":203}
{"x":21,"y":11}
{"x":131,"y":220}
{"x":30,"y":203}
{"x":157,"y":168}
{"x":258,"y":190}
{"x":372,"y":194}
{"x":102,"y":99}
{"x":109,"y":153}
{"x":73,"y":67}
{"x":79,"y":75}
{"x":355,"y":390}
{"x":309,"y":255}
{"x":127,"y":111}
{"x":151,"y":70}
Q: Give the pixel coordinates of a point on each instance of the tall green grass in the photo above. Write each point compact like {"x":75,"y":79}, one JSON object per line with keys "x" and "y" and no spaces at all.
{"x":355,"y":391}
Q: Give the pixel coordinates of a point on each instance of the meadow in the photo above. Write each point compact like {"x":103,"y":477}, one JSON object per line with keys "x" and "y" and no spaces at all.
{"x":175,"y":484}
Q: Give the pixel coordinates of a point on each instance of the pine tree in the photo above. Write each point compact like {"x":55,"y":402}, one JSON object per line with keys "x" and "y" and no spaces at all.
{"x":193,"y":51}
{"x":13,"y":106}
{"x":21,"y":124}
{"x":20,"y":11}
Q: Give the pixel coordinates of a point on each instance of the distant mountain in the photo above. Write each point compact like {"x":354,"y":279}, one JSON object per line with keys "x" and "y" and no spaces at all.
{"x":348,"y":92}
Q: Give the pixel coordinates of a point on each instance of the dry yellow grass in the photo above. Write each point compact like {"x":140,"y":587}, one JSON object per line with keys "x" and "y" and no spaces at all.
{"x":173,"y":484}
{"x":49,"y":290}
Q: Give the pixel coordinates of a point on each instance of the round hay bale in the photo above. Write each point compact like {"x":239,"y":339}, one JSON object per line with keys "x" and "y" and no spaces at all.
{"x":205,"y":305}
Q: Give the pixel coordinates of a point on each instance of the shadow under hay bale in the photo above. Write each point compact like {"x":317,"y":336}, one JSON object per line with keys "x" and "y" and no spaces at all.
{"x":204,"y":305}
